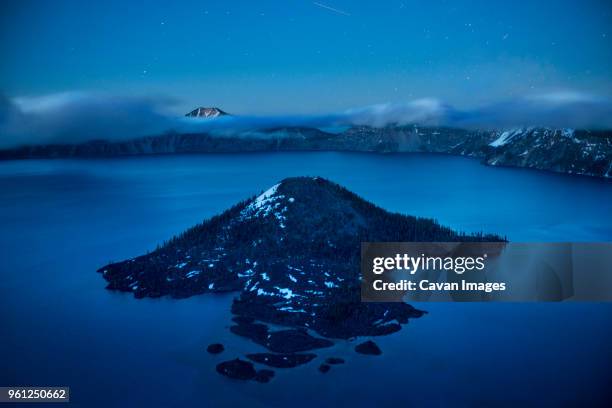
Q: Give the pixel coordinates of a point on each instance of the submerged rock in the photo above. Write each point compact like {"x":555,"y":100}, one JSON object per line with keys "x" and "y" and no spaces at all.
{"x":255,"y":331}
{"x":324,"y":368}
{"x":291,"y":341}
{"x":237,"y":369}
{"x":281,"y":360}
{"x":243,"y":319}
{"x":334,"y":360}
{"x":215,"y":348}
{"x":264,"y":376}
{"x":281,"y":341}
{"x":368,"y":347}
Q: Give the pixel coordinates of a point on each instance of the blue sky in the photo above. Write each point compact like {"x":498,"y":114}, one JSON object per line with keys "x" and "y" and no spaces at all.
{"x":276,"y":57}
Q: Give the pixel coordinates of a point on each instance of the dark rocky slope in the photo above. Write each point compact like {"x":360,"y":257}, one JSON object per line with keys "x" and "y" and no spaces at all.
{"x":561,"y":150}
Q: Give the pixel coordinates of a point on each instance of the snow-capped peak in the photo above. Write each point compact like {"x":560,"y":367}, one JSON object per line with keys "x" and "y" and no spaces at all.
{"x":202,"y":112}
{"x":269,"y":202}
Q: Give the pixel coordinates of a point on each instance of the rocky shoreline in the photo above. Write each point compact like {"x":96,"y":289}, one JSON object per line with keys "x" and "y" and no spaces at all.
{"x":569,"y":151}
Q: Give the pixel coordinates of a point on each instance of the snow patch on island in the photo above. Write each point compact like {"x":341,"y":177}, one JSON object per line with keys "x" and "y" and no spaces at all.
{"x":269,"y":202}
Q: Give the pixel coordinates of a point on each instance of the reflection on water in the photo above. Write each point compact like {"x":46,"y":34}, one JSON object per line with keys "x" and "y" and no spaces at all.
{"x":62,"y":219}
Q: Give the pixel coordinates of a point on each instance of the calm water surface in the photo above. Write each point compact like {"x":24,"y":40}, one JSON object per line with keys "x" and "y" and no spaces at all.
{"x":62,"y":219}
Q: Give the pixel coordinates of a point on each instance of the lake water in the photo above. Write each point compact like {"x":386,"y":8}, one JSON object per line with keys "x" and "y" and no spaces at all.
{"x":62,"y":219}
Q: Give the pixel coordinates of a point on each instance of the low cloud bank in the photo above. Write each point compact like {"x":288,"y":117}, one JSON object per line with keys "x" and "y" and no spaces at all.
{"x":559,"y":109}
{"x":77,"y":117}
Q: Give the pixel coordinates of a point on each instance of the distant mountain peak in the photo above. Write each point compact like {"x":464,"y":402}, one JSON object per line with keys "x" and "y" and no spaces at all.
{"x":203,"y":112}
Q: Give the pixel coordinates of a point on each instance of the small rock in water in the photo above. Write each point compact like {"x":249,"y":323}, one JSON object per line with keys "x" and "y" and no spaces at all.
{"x":334,"y":360}
{"x":281,"y":360}
{"x":215,"y":348}
{"x":237,"y":369}
{"x":291,"y":341}
{"x":255,"y":331}
{"x":324,"y":368}
{"x":264,"y":376}
{"x":368,"y":347}
{"x":281,"y":341}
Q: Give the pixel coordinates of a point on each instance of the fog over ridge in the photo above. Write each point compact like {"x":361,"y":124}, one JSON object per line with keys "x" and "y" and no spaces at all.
{"x":74,"y":117}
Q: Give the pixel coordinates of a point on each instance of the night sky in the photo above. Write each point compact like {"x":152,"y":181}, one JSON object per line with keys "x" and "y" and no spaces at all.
{"x":274,"y":57}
